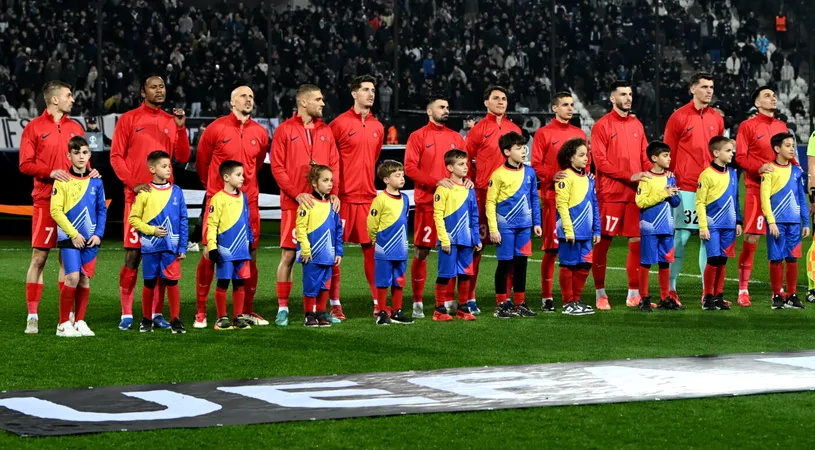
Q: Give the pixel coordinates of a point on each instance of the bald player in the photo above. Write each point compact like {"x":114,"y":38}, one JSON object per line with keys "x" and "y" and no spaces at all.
{"x":234,"y":137}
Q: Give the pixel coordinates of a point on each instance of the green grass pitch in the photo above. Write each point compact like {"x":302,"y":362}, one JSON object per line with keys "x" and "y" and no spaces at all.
{"x":118,"y":358}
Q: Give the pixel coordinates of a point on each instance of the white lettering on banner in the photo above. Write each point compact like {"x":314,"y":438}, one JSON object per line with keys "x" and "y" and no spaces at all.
{"x":178,"y":406}
{"x":490,"y":390}
{"x":277,"y":395}
{"x":806,"y":362}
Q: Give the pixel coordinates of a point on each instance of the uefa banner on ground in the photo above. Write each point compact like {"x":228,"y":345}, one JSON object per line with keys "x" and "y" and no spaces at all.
{"x":218,"y":403}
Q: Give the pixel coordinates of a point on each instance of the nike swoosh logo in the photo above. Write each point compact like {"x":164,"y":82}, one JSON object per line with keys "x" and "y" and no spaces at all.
{"x":760,"y":137}
{"x":46,"y":135}
{"x":428,"y":146}
{"x":555,"y":143}
{"x":613,"y":135}
{"x":225,"y":141}
{"x":488,"y":135}
{"x":139,"y":129}
{"x":351,"y":134}
{"x":294,"y":138}
{"x":690,"y":128}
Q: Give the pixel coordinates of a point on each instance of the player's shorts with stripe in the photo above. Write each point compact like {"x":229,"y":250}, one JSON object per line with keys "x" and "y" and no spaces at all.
{"x":424,"y":229}
{"x":161,"y":264}
{"x":483,"y":229}
{"x":721,"y":243}
{"x":620,"y":219}
{"x":288,"y":222}
{"x":458,"y":262}
{"x":354,"y":217}
{"x":316,"y":278}
{"x":655,"y":249}
{"x":389,"y":273}
{"x":754,"y":221}
{"x":685,"y":214}
{"x":82,"y":261}
{"x":43,"y":227}
{"x":574,"y":253}
{"x":787,"y":244}
{"x":549,"y":218}
{"x":254,"y":222}
{"x":232,"y":270}
{"x":132,"y":239}
{"x":514,"y":242}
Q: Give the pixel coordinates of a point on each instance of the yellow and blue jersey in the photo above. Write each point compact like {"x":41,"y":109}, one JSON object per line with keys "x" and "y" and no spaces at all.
{"x":78,"y":207}
{"x":455,"y":212}
{"x":655,"y":203}
{"x":387,"y":226}
{"x":163,"y":206}
{"x":512,"y":198}
{"x":717,"y":199}
{"x":319,"y":233}
{"x":228,"y":227}
{"x":783,"y":195}
{"x":578,"y":213}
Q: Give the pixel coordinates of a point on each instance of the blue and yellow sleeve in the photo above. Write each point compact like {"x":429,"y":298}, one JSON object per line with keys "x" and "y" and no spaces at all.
{"x":101,"y":211}
{"x":563,"y":195}
{"x":247,"y":222}
{"x":374,"y":217}
{"x":338,"y":242}
{"x":673,"y":200}
{"x":766,"y":193}
{"x":213,"y":219}
{"x":596,"y":226}
{"x":439,"y":204}
{"x":183,"y":224}
{"x":475,"y":227}
{"x":58,"y":197}
{"x":535,"y":198}
{"x":803,"y":202}
{"x":492,"y":200}
{"x":301,"y":231}
{"x":136,"y":214}
{"x":735,"y":176}
{"x":701,"y":200}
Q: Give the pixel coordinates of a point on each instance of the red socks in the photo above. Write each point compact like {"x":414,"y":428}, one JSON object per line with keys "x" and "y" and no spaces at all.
{"x":792,"y":277}
{"x":441,"y":294}
{"x":283,"y":291}
{"x":309,"y":304}
{"x":710,"y":279}
{"x":250,"y":288}
{"x":33,"y":294}
{"x":547,"y":273}
{"x":451,"y":290}
{"x":204,"y":275}
{"x":382,"y":298}
{"x":370,"y":266}
{"x":720,"y":272}
{"x":81,"y":302}
{"x":334,"y":284}
{"x":463,"y":292}
{"x":776,"y":277}
{"x":566,"y":278}
{"x":644,"y":272}
{"x":579,"y":278}
{"x":632,"y":264}
{"x":598,"y":268}
{"x":127,"y":284}
{"x":418,"y":275}
{"x":174,"y":296}
{"x":66,"y":303}
{"x":397,"y":293}
{"x":664,"y":282}
{"x":158,"y":300}
{"x":518,"y":298}
{"x":748,"y":250}
{"x":322,"y":300}
{"x":500,"y":299}
{"x":220,"y":301}
{"x":474,"y":277}
{"x":147,"y":295}
{"x":238,"y":295}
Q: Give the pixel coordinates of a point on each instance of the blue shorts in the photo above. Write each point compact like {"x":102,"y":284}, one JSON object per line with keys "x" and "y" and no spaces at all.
{"x":656,"y":248}
{"x":164,"y":264}
{"x":389,"y":273}
{"x":232,"y":270}
{"x":315,"y":278}
{"x":82,"y":261}
{"x":458,"y":262}
{"x":722,"y":243}
{"x":786,"y":245}
{"x":574,"y":253}
{"x":514,"y":242}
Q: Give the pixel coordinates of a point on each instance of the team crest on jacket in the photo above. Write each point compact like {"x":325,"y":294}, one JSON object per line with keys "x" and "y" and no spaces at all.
{"x":635,"y":135}
{"x":322,"y":138}
{"x":376,"y":134}
{"x":166,"y":131}
{"x":72,"y":134}
{"x":254,"y":142}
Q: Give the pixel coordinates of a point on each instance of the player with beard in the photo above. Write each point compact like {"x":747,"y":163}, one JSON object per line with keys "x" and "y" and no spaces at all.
{"x":482,"y":150}
{"x":424,"y":164}
{"x":138,"y":133}
{"x":298,"y":144}
{"x":618,"y":144}
{"x":545,"y":147}
{"x":359,"y":136}
{"x":688,"y":132}
{"x":235,"y":137}
{"x":754,"y":155}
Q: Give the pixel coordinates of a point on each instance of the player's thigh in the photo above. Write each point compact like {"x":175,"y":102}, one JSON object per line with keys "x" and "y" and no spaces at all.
{"x":43,"y":228}
{"x":88,"y":259}
{"x":132,"y":240}
{"x":224,"y":270}
{"x":728,"y":243}
{"x":447,"y":262}
{"x":523,"y":242}
{"x":549,"y":218}
{"x":240,"y":270}
{"x":71,"y":260}
{"x":151,"y":265}
{"x":354,"y":218}
{"x":170,"y":266}
{"x":754,"y":221}
{"x":685,"y":217}
{"x":464,"y":260}
{"x":288,"y":236}
{"x":665,"y":246}
{"x":204,"y":218}
{"x":383,"y":273}
{"x":631,"y":220}
{"x":325,"y":277}
{"x":483,"y":229}
{"x":254,"y":223}
{"x":792,"y":234}
{"x":399,"y":270}
{"x":424,"y":231}
{"x":569,"y":253}
{"x":649,"y":250}
{"x":505,"y":250}
{"x":611,"y":218}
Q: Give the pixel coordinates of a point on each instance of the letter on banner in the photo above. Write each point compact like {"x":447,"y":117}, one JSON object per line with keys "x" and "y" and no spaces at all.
{"x":277,"y":395}
{"x":490,"y":390}
{"x":178,"y":406}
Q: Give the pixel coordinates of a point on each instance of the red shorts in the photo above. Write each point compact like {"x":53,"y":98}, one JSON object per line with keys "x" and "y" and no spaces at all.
{"x":754,"y":222}
{"x":43,"y":227}
{"x":424,"y":230}
{"x":483,"y":229}
{"x":131,"y":237}
{"x":254,"y":222}
{"x":288,"y":230}
{"x":354,"y":217}
{"x":620,"y":219}
{"x":549,"y":219}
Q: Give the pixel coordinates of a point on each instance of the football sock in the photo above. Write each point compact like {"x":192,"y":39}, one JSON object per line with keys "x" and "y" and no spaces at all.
{"x":147,"y":295}
{"x":518,"y":298}
{"x":309,"y":304}
{"x":598,"y":268}
{"x":598,"y":293}
{"x":680,"y":241}
{"x":204,"y":275}
{"x":174,"y":299}
{"x":474,"y":277}
{"x":66,"y":303}
{"x":632,"y":265}
{"x":158,"y":299}
{"x":463,"y":291}
{"x":720,"y":273}
{"x":500,"y":298}
{"x":644,"y":272}
{"x":792,"y":277}
{"x":370,"y":267}
{"x":250,"y":288}
{"x":322,"y":300}
{"x":33,"y":294}
{"x":776,"y":277}
{"x":397,"y":294}
{"x":579,"y":277}
{"x":547,"y":273}
{"x":238,"y":299}
{"x":127,"y":284}
{"x":810,"y":262}
{"x":81,"y":302}
{"x":334,"y":285}
{"x":220,"y":301}
{"x":283,"y":291}
{"x":710,"y":279}
{"x":381,"y":298}
{"x":418,"y":275}
{"x":441,"y":294}
{"x":566,"y":279}
{"x":664,"y":282}
{"x":748,"y":250}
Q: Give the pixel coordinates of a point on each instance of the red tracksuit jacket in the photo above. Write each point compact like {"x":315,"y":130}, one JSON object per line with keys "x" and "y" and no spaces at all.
{"x":545,"y":145}
{"x":359,"y":144}
{"x":292,"y":153}
{"x":753,"y":147}
{"x":618,"y":145}
{"x":482,"y":146}
{"x":139,"y":132}
{"x":688,"y":133}
{"x":424,"y":160}
{"x":43,"y":148}
{"x":228,"y":139}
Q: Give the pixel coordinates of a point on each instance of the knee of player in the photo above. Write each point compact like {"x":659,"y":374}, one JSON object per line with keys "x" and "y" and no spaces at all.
{"x":39,"y":258}
{"x":791,"y":259}
{"x":463,"y":277}
{"x":150,"y":284}
{"x":71,"y":279}
{"x":167,"y":282}
{"x":84,"y":281}
{"x":664,"y":265}
{"x":238,"y":283}
{"x":132,"y":259}
{"x":222,"y":284}
{"x":421,"y":253}
{"x":287,"y":257}
{"x":752,"y":238}
{"x":442,"y":280}
{"x":583,"y":266}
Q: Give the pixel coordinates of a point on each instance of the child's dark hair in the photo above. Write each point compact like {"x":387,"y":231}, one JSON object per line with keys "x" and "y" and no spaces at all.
{"x":314,"y":174}
{"x":778,"y":139}
{"x":716,"y":143}
{"x":388,"y":167}
{"x":453,"y":155}
{"x":510,"y":139}
{"x":227,"y":167}
{"x":656,"y":148}
{"x":154,"y":157}
{"x":568,"y":150}
{"x":76,"y":143}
